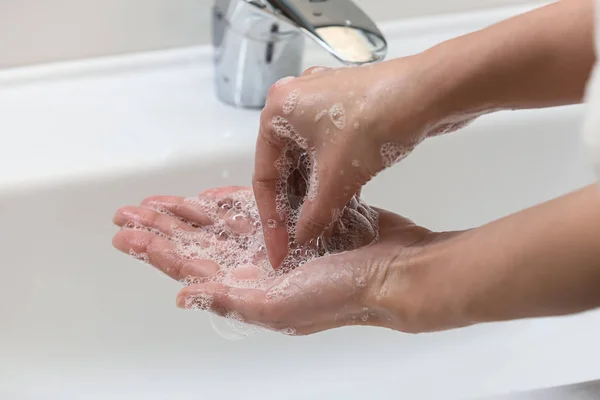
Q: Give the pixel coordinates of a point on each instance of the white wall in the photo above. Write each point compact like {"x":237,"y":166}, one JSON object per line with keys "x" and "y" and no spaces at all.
{"x":33,"y":31}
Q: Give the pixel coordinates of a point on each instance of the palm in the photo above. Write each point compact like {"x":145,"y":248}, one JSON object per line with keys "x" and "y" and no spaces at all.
{"x":327,"y":292}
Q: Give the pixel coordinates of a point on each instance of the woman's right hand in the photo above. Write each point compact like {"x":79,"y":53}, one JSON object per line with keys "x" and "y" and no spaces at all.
{"x":390,"y":107}
{"x":355,"y":122}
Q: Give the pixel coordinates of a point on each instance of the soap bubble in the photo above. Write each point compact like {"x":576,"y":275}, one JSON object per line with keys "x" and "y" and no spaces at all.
{"x":231,"y":327}
{"x":320,"y":115}
{"x":391,"y":153}
{"x":289,"y":105}
{"x":143,"y":257}
{"x":338,"y":115}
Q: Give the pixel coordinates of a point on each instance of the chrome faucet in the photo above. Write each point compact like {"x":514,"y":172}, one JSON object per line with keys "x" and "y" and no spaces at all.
{"x":258,"y":42}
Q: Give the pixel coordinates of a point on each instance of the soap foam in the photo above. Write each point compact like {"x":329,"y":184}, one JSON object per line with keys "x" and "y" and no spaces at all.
{"x":234,"y":239}
{"x":201,"y":302}
{"x":391,"y":153}
{"x":143,"y":257}
{"x":289,"y":105}
{"x":338,"y":115}
{"x":320,"y":115}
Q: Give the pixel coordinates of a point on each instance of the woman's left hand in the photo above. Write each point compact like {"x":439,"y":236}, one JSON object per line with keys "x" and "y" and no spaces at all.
{"x":384,"y":284}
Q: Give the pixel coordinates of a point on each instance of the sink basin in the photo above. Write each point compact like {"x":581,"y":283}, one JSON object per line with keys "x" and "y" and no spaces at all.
{"x":82,"y":321}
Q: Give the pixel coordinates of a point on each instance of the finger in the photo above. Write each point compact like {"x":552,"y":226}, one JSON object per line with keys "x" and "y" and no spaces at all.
{"x":140,"y":216}
{"x":317,"y":213}
{"x":248,"y":273}
{"x":264,"y":183}
{"x":162,"y":253}
{"x":361,"y":233}
{"x":180,"y":207}
{"x":221,"y":198}
{"x":223,"y":191}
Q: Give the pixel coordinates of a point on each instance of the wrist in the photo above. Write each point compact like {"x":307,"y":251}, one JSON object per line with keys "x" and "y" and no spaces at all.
{"x":439,"y":91}
{"x":458,"y":77}
{"x":423,"y":291}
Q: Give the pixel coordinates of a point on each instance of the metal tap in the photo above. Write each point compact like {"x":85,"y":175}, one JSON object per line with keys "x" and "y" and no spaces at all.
{"x":258,"y":42}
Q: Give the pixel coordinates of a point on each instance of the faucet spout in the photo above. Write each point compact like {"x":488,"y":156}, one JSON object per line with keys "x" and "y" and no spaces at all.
{"x":258,"y":42}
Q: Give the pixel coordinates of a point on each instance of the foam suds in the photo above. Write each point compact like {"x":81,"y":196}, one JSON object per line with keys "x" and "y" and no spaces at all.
{"x":289,"y":105}
{"x":143,"y":257}
{"x":313,"y":181}
{"x":234,"y":237}
{"x":338,"y":115}
{"x":391,"y":153}
{"x":320,"y":115}
{"x":284,"y":129}
{"x":201,"y":302}
{"x":448,"y":127}
{"x":288,"y":331}
{"x":232,"y":327}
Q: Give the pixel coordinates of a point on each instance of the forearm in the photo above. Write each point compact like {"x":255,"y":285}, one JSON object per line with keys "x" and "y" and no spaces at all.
{"x":538,"y":59}
{"x":543,"y":261}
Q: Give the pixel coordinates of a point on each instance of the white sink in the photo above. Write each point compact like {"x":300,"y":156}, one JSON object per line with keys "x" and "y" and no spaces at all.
{"x":78,"y":320}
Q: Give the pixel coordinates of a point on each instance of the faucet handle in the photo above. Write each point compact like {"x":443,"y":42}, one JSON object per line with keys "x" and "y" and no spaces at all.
{"x":340,"y":26}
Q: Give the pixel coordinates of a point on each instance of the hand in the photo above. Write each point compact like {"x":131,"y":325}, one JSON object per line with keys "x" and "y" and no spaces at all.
{"x":351,"y":123}
{"x":376,"y":285}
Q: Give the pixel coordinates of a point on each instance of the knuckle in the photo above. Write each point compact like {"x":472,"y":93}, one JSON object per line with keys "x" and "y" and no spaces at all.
{"x":263,"y":185}
{"x":275,"y":93}
{"x":176,"y":266}
{"x":267,"y":135}
{"x":313,"y":70}
{"x":154,"y":245}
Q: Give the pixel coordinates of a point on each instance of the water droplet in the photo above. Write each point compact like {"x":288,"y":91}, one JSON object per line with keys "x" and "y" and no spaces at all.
{"x":225,"y":205}
{"x":222,"y":236}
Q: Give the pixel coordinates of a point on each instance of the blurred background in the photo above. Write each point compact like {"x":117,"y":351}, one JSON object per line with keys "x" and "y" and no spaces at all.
{"x":37,"y":31}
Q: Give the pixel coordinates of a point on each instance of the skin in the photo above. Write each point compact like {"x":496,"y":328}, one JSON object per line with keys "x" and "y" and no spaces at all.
{"x":329,"y":292}
{"x":539,"y":59}
{"x":543,"y":261}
